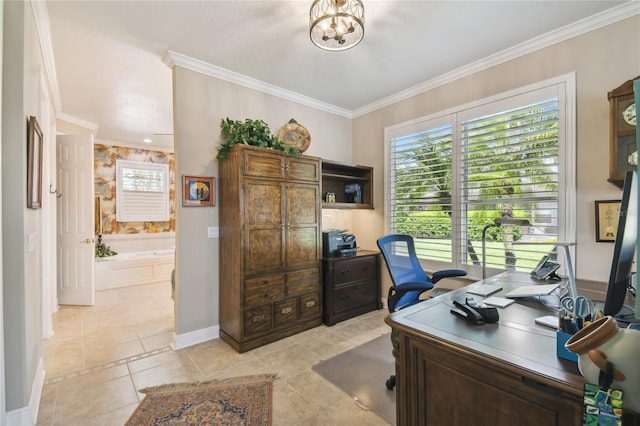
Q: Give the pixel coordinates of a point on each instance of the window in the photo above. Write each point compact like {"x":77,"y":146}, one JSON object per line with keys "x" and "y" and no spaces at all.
{"x":451,"y":174}
{"x":142,"y":192}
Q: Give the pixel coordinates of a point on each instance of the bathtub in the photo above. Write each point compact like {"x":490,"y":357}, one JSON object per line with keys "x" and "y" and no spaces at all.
{"x":134,"y":268}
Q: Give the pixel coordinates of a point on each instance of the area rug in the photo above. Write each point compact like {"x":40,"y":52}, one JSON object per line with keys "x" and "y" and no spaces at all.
{"x":362,"y":373}
{"x":236,"y":401}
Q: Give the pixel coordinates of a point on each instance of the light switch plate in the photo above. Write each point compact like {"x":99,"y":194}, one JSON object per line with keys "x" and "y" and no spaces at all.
{"x":31,"y":241}
{"x":213,"y":232}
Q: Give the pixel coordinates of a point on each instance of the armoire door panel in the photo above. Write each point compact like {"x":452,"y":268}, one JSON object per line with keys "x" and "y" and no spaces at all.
{"x":303,"y":169}
{"x":299,"y":198}
{"x":263,"y":203}
{"x":263,"y":251}
{"x":263,"y":165}
{"x":302,"y":246}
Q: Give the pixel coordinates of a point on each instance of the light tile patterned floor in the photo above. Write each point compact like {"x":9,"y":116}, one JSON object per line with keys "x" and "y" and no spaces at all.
{"x":99,"y":356}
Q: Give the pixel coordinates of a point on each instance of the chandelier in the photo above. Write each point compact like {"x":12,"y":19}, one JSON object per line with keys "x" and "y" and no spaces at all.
{"x":336,"y":24}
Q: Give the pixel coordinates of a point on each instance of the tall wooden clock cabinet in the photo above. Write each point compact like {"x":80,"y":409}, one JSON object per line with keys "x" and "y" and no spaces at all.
{"x":270,"y":243}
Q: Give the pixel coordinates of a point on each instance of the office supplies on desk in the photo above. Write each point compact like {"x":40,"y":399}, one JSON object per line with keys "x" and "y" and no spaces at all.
{"x":550,"y":321}
{"x":500,"y":302}
{"x":532,"y":290}
{"x":475,"y":313}
{"x":580,"y":308}
{"x":485,"y":289}
{"x":561,"y":351}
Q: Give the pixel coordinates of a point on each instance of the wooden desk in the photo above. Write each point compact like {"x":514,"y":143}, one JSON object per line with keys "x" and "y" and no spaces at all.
{"x":449,"y":372}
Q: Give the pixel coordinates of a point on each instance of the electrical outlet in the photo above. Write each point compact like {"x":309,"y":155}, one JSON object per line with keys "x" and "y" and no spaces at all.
{"x":213,"y":232}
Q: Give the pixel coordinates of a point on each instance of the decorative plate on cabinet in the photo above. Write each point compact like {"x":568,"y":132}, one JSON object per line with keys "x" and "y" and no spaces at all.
{"x":295,"y":135}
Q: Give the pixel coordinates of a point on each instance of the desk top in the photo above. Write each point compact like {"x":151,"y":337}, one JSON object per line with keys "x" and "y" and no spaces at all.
{"x":516,"y":341}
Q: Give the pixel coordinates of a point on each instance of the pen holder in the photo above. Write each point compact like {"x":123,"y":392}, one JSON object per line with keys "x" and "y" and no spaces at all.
{"x":561,"y":351}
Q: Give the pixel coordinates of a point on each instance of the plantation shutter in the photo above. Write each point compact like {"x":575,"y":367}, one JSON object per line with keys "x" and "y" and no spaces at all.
{"x":510,"y":169}
{"x":420,"y":193}
{"x":452,"y":174}
{"x":142,"y":193}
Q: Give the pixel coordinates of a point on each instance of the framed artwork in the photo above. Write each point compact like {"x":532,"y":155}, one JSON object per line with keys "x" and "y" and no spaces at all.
{"x":607,"y":214}
{"x":198,"y":191}
{"x":34,"y":164}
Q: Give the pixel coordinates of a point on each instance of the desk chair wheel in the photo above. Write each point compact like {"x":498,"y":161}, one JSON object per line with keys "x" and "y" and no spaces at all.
{"x":391,"y":382}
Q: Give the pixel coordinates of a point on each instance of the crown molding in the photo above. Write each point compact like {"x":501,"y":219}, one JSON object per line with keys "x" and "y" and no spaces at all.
{"x":583,"y":26}
{"x":41,"y":18}
{"x":177,"y":59}
{"x":77,"y":121}
{"x":626,"y":10}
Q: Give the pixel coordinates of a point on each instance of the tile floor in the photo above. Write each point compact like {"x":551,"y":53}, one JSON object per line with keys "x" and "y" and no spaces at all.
{"x":99,"y":356}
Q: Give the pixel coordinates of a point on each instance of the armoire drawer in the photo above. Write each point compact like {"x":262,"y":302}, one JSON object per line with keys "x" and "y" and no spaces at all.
{"x":357,"y":269}
{"x":301,"y":287}
{"x":286,"y":312}
{"x":258,"y":320}
{"x":310,"y":305}
{"x":262,"y":295}
{"x":264,"y":281}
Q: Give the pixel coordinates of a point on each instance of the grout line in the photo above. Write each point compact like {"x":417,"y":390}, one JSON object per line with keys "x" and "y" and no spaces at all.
{"x":107,"y":365}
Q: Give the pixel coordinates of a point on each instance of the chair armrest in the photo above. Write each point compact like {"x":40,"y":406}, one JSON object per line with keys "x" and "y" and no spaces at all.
{"x":396,"y":293}
{"x":447,"y":273}
{"x":414,"y":286}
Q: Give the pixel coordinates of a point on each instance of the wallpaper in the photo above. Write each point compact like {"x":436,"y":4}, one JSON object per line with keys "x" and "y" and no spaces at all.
{"x":105,"y":187}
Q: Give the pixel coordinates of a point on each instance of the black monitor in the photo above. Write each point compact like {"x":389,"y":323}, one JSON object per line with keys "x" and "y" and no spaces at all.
{"x":624,"y":250}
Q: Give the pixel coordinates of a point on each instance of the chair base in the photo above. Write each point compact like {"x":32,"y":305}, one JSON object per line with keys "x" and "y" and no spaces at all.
{"x":391,"y":382}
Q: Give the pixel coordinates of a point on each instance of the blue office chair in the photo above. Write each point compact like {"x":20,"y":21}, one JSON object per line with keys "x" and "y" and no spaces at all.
{"x":408,"y":278}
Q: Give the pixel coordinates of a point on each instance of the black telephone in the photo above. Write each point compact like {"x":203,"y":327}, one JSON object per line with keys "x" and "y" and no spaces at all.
{"x":474,"y":313}
{"x":545,"y":269}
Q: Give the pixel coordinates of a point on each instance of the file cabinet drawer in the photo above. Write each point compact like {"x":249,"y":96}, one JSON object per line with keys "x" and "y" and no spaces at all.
{"x":350,"y":286}
{"x":356,"y":269}
{"x":362,"y":293}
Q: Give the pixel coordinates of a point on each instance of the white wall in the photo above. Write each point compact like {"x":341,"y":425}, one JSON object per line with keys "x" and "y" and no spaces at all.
{"x":3,"y":391}
{"x":601,"y":63}
{"x":22,"y":273}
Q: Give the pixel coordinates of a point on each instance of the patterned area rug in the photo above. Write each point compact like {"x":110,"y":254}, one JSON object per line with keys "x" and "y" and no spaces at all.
{"x":235,"y":401}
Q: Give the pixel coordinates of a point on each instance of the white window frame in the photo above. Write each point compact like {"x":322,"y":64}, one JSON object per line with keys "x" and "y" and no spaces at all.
{"x":142,"y":206}
{"x":566,"y":92}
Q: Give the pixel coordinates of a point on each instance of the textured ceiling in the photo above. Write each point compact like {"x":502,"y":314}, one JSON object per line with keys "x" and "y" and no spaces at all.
{"x":108,"y":54}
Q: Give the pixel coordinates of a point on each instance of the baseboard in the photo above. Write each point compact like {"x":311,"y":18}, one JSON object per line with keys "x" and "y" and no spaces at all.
{"x":184,"y":340}
{"x":29,"y":415}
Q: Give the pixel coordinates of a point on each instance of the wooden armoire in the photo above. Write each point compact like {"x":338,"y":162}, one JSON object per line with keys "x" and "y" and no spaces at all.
{"x":270,"y":245}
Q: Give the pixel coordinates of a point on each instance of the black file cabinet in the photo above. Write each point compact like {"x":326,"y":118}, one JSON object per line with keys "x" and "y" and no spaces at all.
{"x":350,"y":286}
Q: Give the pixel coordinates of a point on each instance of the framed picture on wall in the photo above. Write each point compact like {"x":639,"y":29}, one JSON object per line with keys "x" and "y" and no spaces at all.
{"x":34,"y":164}
{"x":198,"y":191}
{"x":607,"y":214}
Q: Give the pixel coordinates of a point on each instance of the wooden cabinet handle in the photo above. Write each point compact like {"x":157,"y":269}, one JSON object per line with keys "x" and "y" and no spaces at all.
{"x":310,"y":304}
{"x":258,"y":318}
{"x":346,"y":271}
{"x":286,"y":311}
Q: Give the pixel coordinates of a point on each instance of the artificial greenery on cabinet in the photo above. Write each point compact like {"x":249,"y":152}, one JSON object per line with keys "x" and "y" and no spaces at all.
{"x":249,"y":132}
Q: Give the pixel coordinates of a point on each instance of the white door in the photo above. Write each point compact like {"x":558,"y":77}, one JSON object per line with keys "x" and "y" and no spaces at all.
{"x":76,"y":251}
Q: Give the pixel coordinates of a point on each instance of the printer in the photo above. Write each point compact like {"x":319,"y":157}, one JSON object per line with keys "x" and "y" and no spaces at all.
{"x":337,"y":243}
